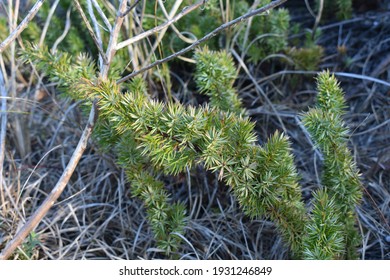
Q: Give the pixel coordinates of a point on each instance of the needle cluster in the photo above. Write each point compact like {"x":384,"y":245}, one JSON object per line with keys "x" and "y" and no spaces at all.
{"x":150,"y":137}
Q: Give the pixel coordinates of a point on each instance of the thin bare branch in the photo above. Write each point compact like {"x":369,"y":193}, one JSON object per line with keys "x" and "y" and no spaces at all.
{"x":47,"y":23}
{"x":339,"y":74}
{"x":130,"y":8}
{"x":173,"y":27}
{"x":111,"y":49}
{"x":310,"y":9}
{"x":38,"y":215}
{"x":318,"y":18}
{"x":88,"y":25}
{"x":3,"y":127}
{"x":145,"y":34}
{"x":95,"y":22}
{"x":15,"y":33}
{"x":102,"y":15}
{"x":97,"y":29}
{"x":64,"y":33}
{"x":205,"y":38}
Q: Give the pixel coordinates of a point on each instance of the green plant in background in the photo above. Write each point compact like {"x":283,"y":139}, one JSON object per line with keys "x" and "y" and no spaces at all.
{"x":188,"y":28}
{"x":303,"y":53}
{"x":28,"y":250}
{"x":307,"y":57}
{"x":341,"y":8}
{"x":76,"y":38}
{"x":265,"y":34}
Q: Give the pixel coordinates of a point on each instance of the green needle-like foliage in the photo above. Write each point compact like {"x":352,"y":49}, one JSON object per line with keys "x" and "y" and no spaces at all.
{"x":268,"y":170}
{"x":62,"y":68}
{"x":340,"y":175}
{"x":324,"y":239}
{"x":215,"y":75}
{"x":151,"y":138}
{"x":175,"y":138}
{"x":73,"y":76}
{"x":165,"y":218}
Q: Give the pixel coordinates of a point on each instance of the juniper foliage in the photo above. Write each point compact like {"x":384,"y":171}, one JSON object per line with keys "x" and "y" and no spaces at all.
{"x":215,"y":75}
{"x":340,"y":175}
{"x":324,"y":239}
{"x":151,"y":137}
{"x":74,"y":76}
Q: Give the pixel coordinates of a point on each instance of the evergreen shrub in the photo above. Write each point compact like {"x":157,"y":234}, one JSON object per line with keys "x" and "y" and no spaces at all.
{"x":152,"y":137}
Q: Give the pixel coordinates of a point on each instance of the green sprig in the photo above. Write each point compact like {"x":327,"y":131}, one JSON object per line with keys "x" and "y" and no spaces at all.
{"x":340,"y":175}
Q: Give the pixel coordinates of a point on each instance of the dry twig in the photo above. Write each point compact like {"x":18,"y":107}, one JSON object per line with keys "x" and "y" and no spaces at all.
{"x":15,"y":33}
{"x":111,"y":49}
{"x":47,"y":23}
{"x":102,"y":15}
{"x":318,"y":18}
{"x":97,"y":42}
{"x":3,"y":127}
{"x":130,"y":8}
